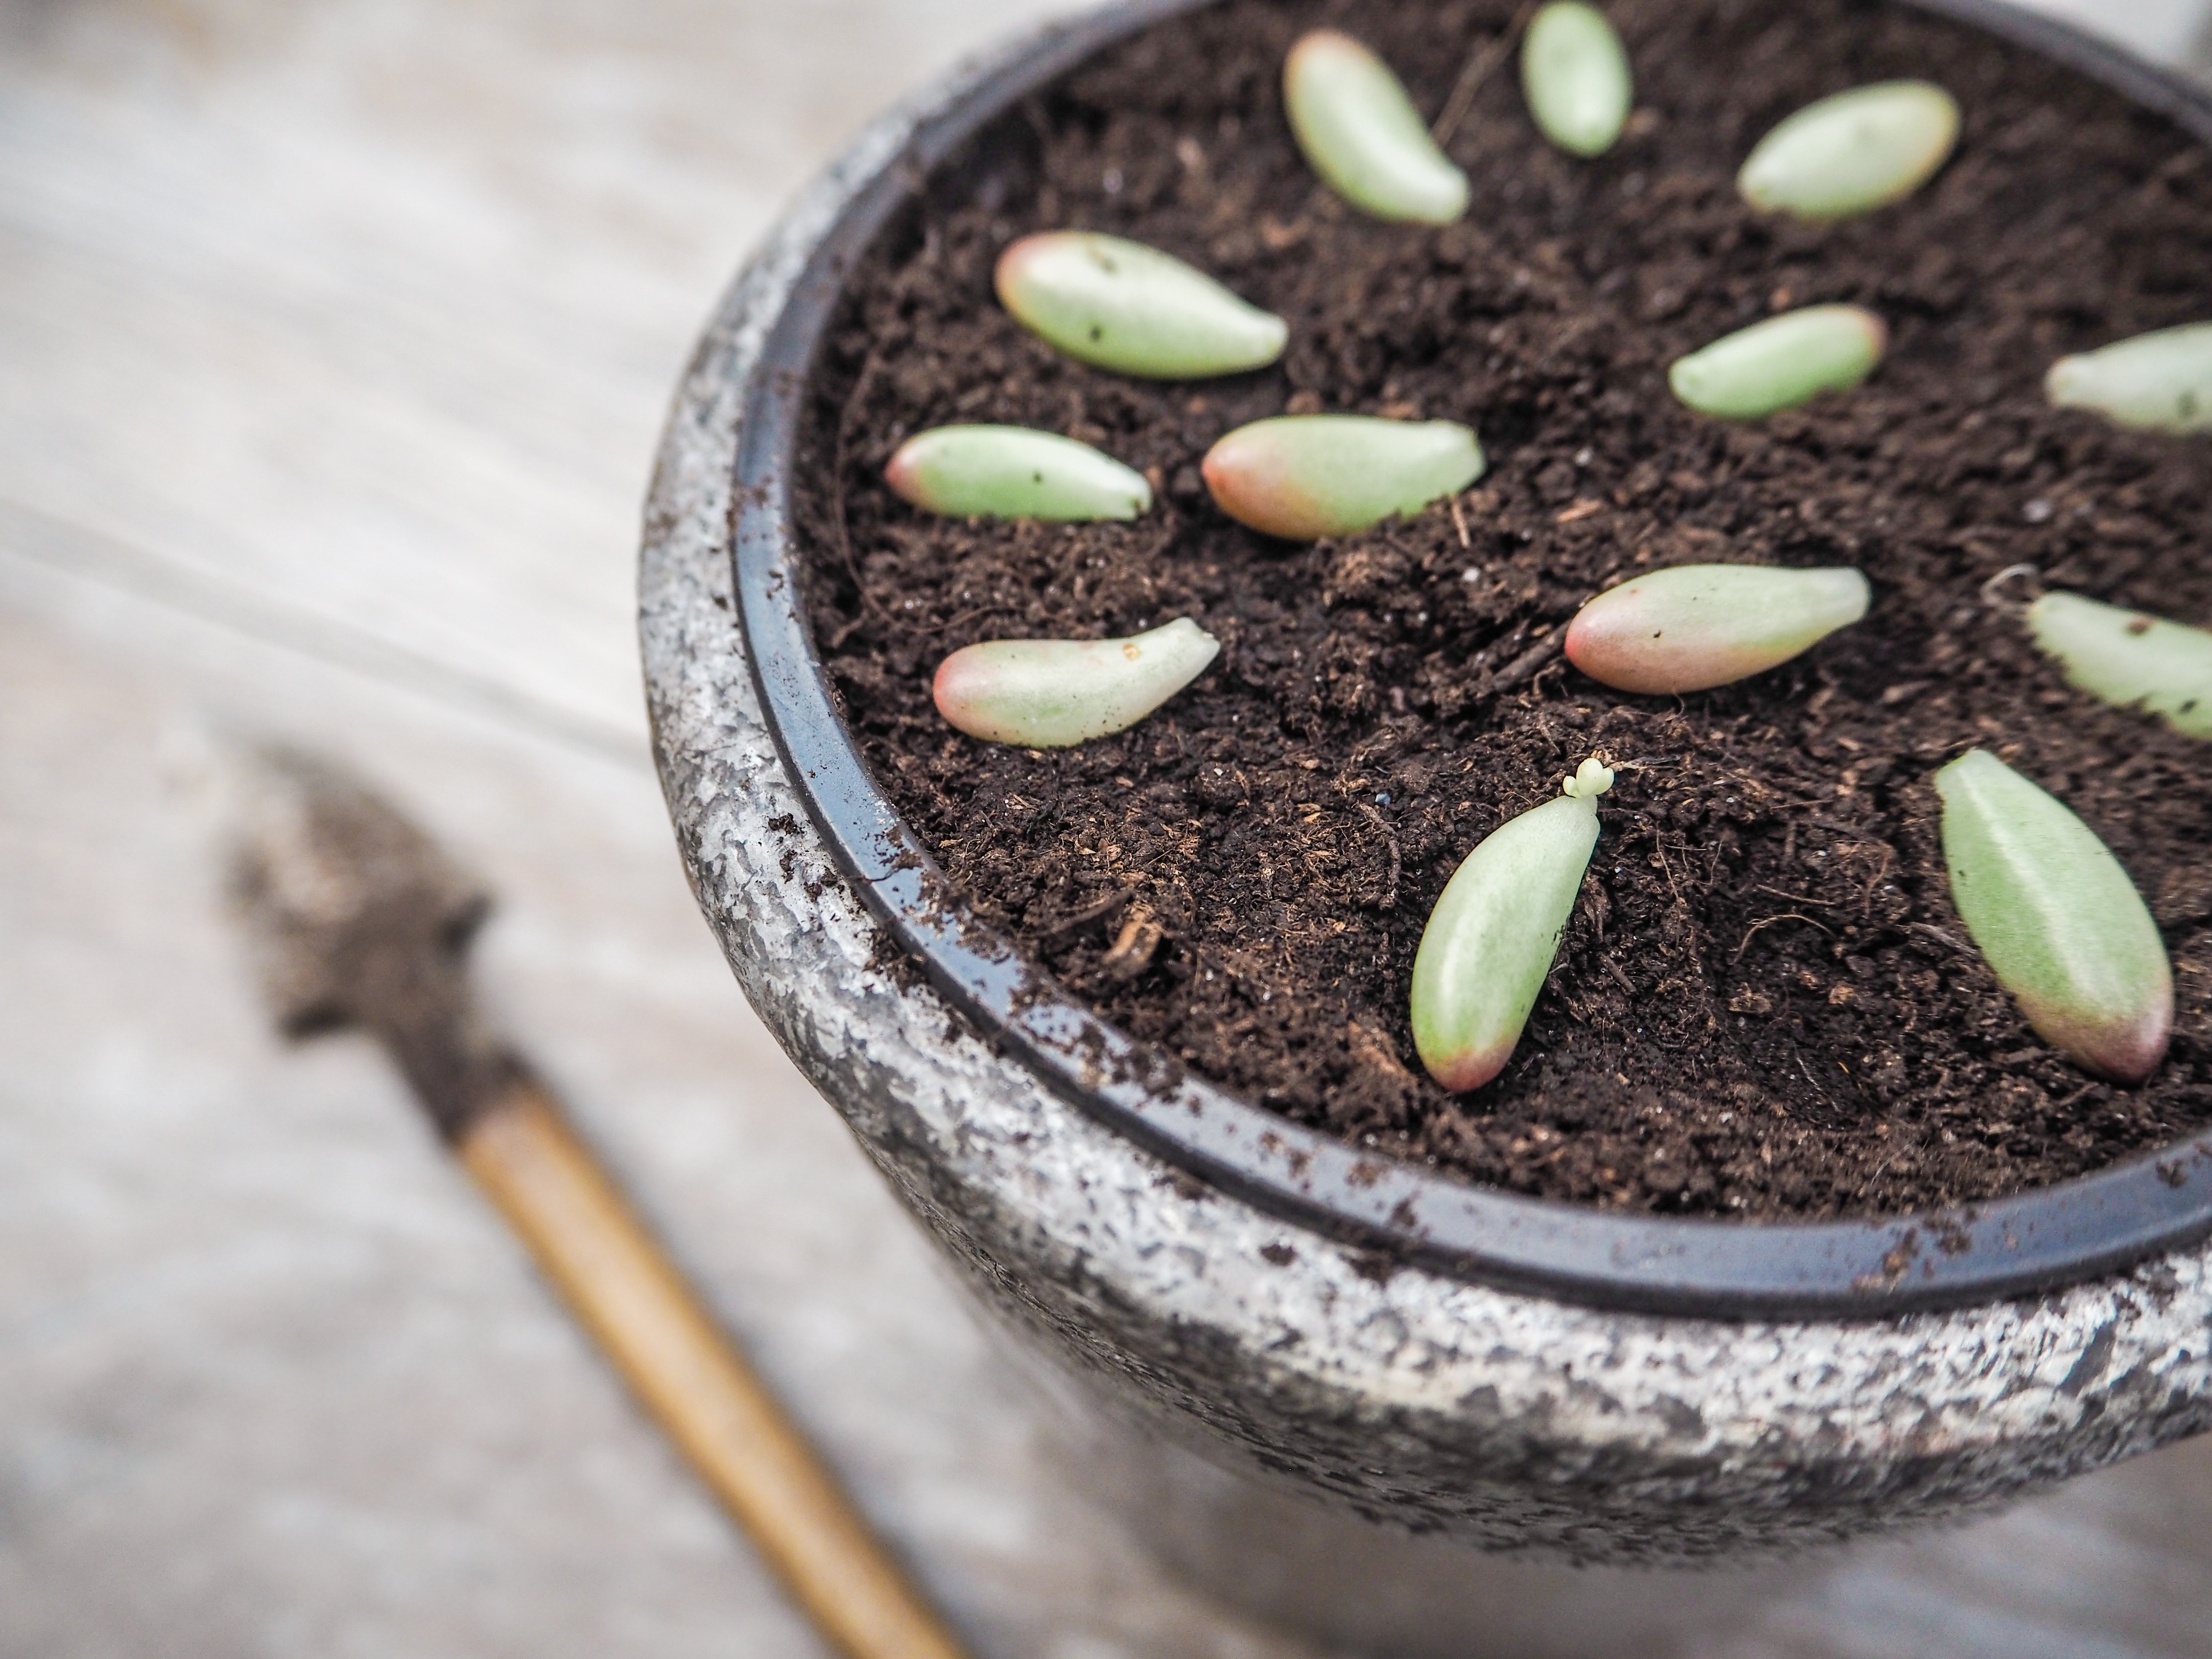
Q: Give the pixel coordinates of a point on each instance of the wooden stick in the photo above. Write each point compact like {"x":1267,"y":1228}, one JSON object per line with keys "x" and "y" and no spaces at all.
{"x":621,"y":1285}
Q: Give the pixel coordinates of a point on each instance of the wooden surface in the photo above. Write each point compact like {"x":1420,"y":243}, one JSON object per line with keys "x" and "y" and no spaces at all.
{"x":334,"y":341}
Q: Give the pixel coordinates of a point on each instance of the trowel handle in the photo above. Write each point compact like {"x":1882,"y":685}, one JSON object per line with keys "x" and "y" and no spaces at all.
{"x":620,"y":1284}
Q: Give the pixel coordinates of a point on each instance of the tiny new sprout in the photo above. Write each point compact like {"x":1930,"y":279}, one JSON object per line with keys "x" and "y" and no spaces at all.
{"x":1050,"y":694}
{"x":1361,"y":133}
{"x":1695,"y":626}
{"x":2056,"y":919}
{"x":2158,"y":382}
{"x":1492,"y":937}
{"x":1012,"y":472}
{"x":1854,"y":152}
{"x":1575,"y":73}
{"x":1782,"y":362}
{"x":1120,"y":305}
{"x":2129,"y":659}
{"x":1303,"y":477}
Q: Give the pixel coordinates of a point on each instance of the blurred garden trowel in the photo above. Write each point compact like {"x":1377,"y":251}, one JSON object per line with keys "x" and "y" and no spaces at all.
{"x":359,"y":918}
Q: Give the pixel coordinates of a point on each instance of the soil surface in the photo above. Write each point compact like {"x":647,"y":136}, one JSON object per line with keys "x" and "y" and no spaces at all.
{"x":1765,"y":1005}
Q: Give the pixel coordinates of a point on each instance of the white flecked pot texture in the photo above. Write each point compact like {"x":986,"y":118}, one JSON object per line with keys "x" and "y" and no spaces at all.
{"x":1512,"y":1422}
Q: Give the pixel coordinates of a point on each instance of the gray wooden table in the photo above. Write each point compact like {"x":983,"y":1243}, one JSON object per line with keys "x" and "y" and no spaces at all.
{"x":334,"y":341}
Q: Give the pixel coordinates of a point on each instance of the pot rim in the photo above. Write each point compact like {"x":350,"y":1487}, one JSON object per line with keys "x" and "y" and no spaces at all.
{"x":1867,"y":1268}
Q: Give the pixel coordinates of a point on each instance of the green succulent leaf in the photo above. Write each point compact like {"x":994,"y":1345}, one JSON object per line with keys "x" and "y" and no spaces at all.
{"x":1012,"y":472}
{"x":2129,"y":658}
{"x":2159,"y":382}
{"x":1120,"y":305}
{"x":1491,"y":941}
{"x":1051,"y":694}
{"x":1854,"y":152}
{"x":2056,"y":919}
{"x":1780,"y":362}
{"x":1360,"y":132}
{"x":1575,"y":73}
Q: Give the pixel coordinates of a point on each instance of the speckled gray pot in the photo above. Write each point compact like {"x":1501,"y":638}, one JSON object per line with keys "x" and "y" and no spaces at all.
{"x":1510,"y":1421}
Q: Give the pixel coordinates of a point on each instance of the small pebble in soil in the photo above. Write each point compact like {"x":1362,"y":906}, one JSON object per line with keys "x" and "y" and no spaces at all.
{"x":1575,"y":73}
{"x":1359,"y":130}
{"x":1491,"y":939}
{"x":2129,"y":659}
{"x":1013,"y":473}
{"x":1692,"y":627}
{"x":1050,"y":694}
{"x":1780,"y":362}
{"x":2057,"y":918}
{"x":1303,"y":477}
{"x":2159,"y":382}
{"x":1853,"y":152}
{"x":1119,"y":305}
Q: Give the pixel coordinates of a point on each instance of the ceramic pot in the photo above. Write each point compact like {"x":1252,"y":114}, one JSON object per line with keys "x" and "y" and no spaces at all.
{"x":1535,"y":1380}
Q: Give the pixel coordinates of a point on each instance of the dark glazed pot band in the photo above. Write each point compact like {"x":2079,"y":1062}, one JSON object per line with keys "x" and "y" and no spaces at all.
{"x":2076,"y":1231}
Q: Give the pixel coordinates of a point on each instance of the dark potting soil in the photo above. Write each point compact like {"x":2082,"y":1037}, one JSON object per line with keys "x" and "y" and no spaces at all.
{"x":1764,"y":1004}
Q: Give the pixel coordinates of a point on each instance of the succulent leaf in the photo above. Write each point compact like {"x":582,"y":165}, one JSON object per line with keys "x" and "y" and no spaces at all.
{"x":1361,"y":133}
{"x":1120,"y":305}
{"x":1853,"y":152}
{"x":2159,"y":382}
{"x":1492,"y":937}
{"x":2056,"y":919}
{"x":1050,"y":694}
{"x":1012,"y":472}
{"x":1575,"y":73}
{"x":2129,"y":658}
{"x":1695,"y":626}
{"x":1780,"y":362}
{"x":1302,"y":477}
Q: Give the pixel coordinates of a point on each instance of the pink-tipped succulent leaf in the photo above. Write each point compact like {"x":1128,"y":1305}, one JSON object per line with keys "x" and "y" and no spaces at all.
{"x":2057,"y":918}
{"x":1303,"y":477}
{"x":1694,"y":626}
{"x":1049,"y":694}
